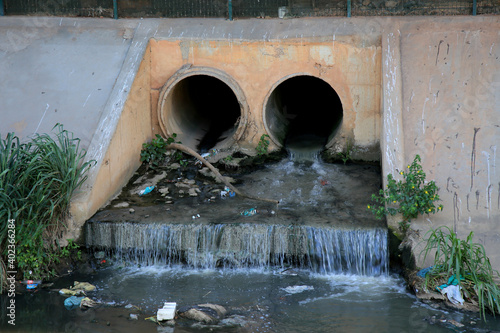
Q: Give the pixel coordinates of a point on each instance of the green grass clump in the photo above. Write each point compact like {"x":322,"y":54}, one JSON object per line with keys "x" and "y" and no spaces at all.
{"x":37,"y":181}
{"x":470,"y":265}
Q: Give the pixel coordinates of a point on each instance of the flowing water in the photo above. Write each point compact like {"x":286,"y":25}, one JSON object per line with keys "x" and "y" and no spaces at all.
{"x":316,"y":263}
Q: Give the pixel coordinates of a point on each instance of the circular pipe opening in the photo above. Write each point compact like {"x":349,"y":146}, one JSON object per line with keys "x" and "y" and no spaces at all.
{"x":303,"y":111}
{"x":204,"y":108}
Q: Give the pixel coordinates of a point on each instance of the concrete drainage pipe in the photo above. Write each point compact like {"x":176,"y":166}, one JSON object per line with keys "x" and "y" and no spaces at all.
{"x":302,"y":109}
{"x":205,"y":108}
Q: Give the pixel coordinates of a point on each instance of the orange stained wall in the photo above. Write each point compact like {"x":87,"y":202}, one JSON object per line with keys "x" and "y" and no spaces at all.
{"x":350,"y":65}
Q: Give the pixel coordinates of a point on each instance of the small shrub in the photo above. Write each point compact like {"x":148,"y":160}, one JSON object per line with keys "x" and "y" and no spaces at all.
{"x":410,"y":197}
{"x":153,"y":153}
{"x":468,"y":263}
{"x":263,"y":145}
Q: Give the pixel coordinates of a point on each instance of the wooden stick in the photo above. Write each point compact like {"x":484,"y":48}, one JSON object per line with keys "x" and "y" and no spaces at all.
{"x":191,"y":152}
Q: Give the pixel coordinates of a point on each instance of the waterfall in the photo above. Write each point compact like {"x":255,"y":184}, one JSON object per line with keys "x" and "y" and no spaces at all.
{"x":323,"y":250}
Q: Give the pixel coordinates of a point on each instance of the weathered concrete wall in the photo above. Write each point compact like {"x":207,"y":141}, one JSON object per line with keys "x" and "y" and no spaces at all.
{"x":58,"y":70}
{"x":350,"y":64}
{"x":442,"y":102}
{"x":422,"y":85}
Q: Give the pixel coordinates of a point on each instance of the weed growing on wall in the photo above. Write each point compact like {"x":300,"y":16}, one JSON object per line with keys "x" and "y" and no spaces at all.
{"x":37,"y":181}
{"x":410,"y":196}
{"x":263,"y":145}
{"x":468,"y":263}
{"x":346,"y":155}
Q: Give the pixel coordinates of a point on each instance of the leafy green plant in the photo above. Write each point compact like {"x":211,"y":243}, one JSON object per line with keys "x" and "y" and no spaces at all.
{"x":346,"y":155}
{"x":228,"y":159}
{"x":153,"y":153}
{"x":37,"y":181}
{"x":410,"y":196}
{"x":263,"y":145}
{"x":468,"y":263}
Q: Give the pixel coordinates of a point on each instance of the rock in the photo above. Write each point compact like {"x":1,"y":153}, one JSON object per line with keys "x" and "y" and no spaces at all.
{"x":200,"y":316}
{"x":182,"y":185}
{"x":174,"y":166}
{"x":121,"y":205}
{"x":192,"y":192}
{"x":163,"y":191}
{"x":131,"y":211}
{"x":221,"y":311}
{"x":366,"y":2}
{"x":206,"y":313}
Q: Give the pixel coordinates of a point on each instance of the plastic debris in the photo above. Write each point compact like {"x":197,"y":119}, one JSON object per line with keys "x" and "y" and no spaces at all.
{"x":146,"y":190}
{"x":452,"y":281}
{"x":167,"y":312}
{"x":249,"y":212}
{"x":73,"y":302}
{"x":31,"y":284}
{"x":453,"y":293}
{"x":423,"y":272}
{"x":134,"y":316}
{"x":227,"y":193}
{"x":197,"y":216}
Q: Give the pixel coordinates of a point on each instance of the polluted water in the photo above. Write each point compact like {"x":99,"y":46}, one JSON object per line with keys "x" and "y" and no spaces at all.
{"x":317,"y":262}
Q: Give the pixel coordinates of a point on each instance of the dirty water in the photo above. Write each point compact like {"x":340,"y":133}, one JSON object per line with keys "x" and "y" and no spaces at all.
{"x":261,"y":299}
{"x":310,"y":193}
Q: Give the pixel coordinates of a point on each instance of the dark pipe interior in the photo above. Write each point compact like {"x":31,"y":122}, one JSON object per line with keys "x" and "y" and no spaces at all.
{"x":309,"y":107}
{"x":213,"y":108}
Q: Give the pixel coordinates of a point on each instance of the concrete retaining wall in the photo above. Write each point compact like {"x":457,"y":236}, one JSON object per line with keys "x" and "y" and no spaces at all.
{"x":408,"y":86}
